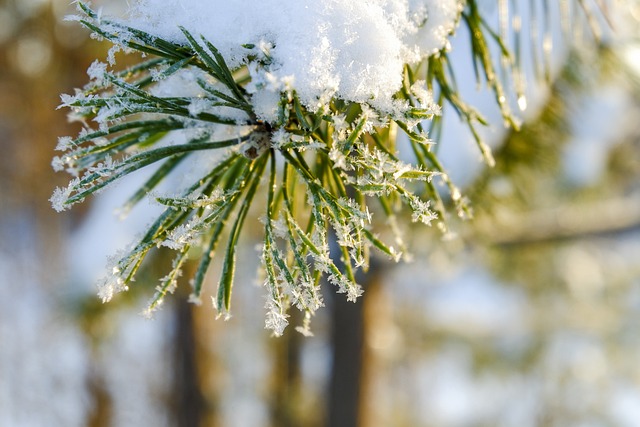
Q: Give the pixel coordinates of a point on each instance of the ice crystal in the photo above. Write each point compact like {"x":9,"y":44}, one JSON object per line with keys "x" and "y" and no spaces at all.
{"x":97,"y":71}
{"x":57,"y":164}
{"x":276,"y":318}
{"x":111,"y":285}
{"x":64,"y":143}
{"x":60,"y":196}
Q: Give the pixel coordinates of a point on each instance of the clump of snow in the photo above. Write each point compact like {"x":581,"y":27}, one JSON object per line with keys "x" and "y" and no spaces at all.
{"x":320,"y":48}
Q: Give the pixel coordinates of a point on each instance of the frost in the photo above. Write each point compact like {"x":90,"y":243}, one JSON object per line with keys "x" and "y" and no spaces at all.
{"x":280,"y":138}
{"x":68,"y":100}
{"x":304,"y":330}
{"x":353,"y":290}
{"x":182,"y":235}
{"x":64,"y":143}
{"x":111,"y":55}
{"x":111,"y":285}
{"x":97,"y":71}
{"x":57,"y":164}
{"x":195,"y":299}
{"x":61,"y":195}
{"x":339,"y":159}
{"x":425,"y":97}
{"x":280,"y":228}
{"x":340,"y":125}
{"x":420,"y":209}
{"x":276,"y":319}
{"x":104,"y":169}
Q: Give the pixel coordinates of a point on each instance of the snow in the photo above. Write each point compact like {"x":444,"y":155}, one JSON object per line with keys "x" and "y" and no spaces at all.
{"x":355,"y":51}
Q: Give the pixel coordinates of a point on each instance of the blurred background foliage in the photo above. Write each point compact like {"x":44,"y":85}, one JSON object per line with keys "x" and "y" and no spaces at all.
{"x":529,"y":318}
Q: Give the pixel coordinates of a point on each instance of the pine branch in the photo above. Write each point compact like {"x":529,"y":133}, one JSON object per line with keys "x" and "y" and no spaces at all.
{"x":337,"y":150}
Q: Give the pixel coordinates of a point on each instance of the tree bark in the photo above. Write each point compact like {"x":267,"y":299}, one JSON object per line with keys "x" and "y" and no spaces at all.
{"x":187,"y":396}
{"x":347,"y":389}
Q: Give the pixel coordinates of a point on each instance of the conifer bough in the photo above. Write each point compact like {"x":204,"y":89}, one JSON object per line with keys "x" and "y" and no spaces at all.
{"x":290,"y":106}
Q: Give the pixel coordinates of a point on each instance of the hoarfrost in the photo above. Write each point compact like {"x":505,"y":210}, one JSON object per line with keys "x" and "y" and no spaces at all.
{"x":61,"y":196}
{"x":276,"y":318}
{"x":97,"y":71}
{"x":64,"y":143}
{"x":111,"y":284}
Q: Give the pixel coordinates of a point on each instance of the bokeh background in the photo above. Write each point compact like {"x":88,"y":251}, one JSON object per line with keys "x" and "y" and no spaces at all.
{"x":530,"y":317}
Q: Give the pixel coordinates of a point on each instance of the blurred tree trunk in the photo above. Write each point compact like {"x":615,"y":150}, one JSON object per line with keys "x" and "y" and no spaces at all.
{"x":102,"y":405}
{"x":348,"y":387}
{"x":286,"y":387}
{"x":187,"y":395}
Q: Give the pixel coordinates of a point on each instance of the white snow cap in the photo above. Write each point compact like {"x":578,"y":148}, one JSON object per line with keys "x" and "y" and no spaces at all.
{"x":353,"y":50}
